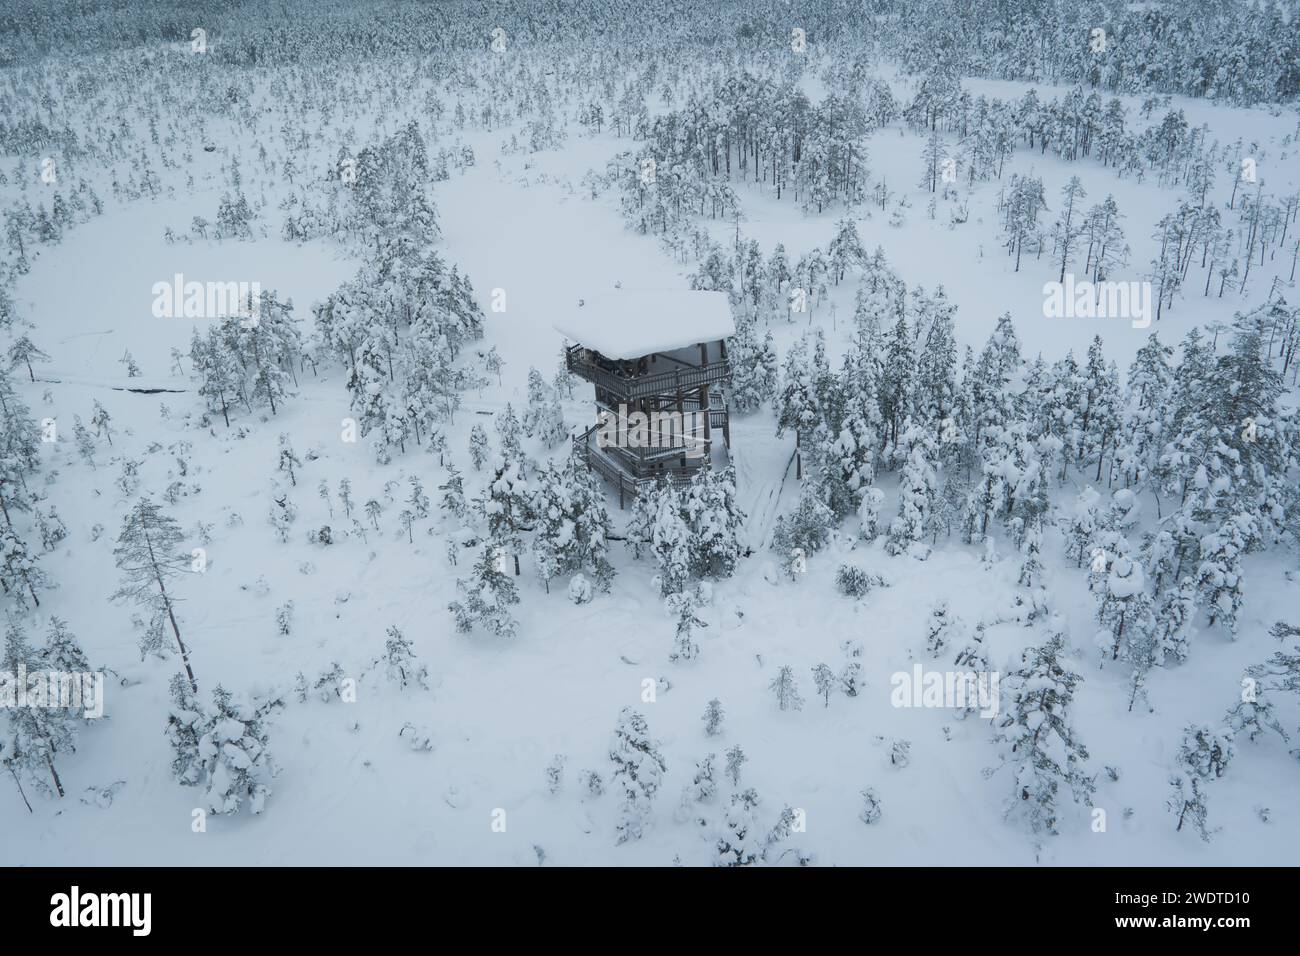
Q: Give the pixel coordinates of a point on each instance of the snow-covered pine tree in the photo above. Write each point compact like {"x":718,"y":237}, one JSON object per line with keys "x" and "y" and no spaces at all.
{"x":85,"y":443}
{"x":20,"y":574}
{"x":289,"y":462}
{"x":735,"y":760}
{"x":62,"y":653}
{"x":23,"y":352}
{"x":897,"y":382}
{"x":713,"y":717}
{"x":400,"y":663}
{"x":826,"y":681}
{"x":1255,"y":712}
{"x":683,"y":607}
{"x":786,"y":689}
{"x":478,"y":446}
{"x":486,"y":596}
{"x":851,"y":679}
{"x":148,"y":555}
{"x":41,"y":730}
{"x":1203,"y":756}
{"x":934,"y":396}
{"x":1045,"y":752}
{"x":639,"y":769}
{"x":870,"y":806}
{"x":845,"y":250}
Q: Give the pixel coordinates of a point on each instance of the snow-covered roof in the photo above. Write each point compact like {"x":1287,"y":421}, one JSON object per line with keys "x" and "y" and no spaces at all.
{"x":629,"y":323}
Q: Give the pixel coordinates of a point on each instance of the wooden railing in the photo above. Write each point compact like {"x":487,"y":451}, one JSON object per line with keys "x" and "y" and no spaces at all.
{"x":643,"y":386}
{"x":628,"y":483}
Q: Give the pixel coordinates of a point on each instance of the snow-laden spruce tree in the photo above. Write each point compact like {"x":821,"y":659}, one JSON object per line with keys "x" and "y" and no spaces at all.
{"x":848,"y":464}
{"x":826,"y":681}
{"x":754,"y":368}
{"x":851,"y":679}
{"x":683,"y":607}
{"x":486,"y":596}
{"x":478,"y":446}
{"x":510,"y":435}
{"x":1031,"y":568}
{"x":671,"y":542}
{"x":148,"y":555}
{"x":638,"y":535}
{"x":269,"y":349}
{"x":236,"y":763}
{"x":713,"y":717}
{"x":1203,"y":756}
{"x":1174,"y":621}
{"x":845,"y":250}
{"x":638,"y":769}
{"x":1219,"y":574}
{"x":739,"y":841}
{"x":593,"y":524}
{"x":1045,"y":754}
{"x":186,"y":722}
{"x":807,"y":528}
{"x":571,"y":525}
{"x":1146,"y":412}
{"x":713,"y":515}
{"x":453,"y":503}
{"x":554,"y":540}
{"x":797,"y":409}
{"x":918,"y":489}
{"x":1124,"y":612}
{"x":942,"y":627}
{"x":506,"y":504}
{"x":400,"y":663}
{"x":551,"y":426}
{"x":786,"y":689}
{"x":538,"y":393}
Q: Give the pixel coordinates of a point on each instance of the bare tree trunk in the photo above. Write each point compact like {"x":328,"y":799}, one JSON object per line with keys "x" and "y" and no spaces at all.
{"x":167,"y":601}
{"x":20,"y":790}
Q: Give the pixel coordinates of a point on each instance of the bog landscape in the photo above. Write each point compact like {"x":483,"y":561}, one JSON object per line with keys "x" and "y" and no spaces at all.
{"x":658,"y":433}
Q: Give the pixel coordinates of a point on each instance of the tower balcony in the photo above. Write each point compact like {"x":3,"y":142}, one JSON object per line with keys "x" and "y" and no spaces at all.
{"x":625,"y":381}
